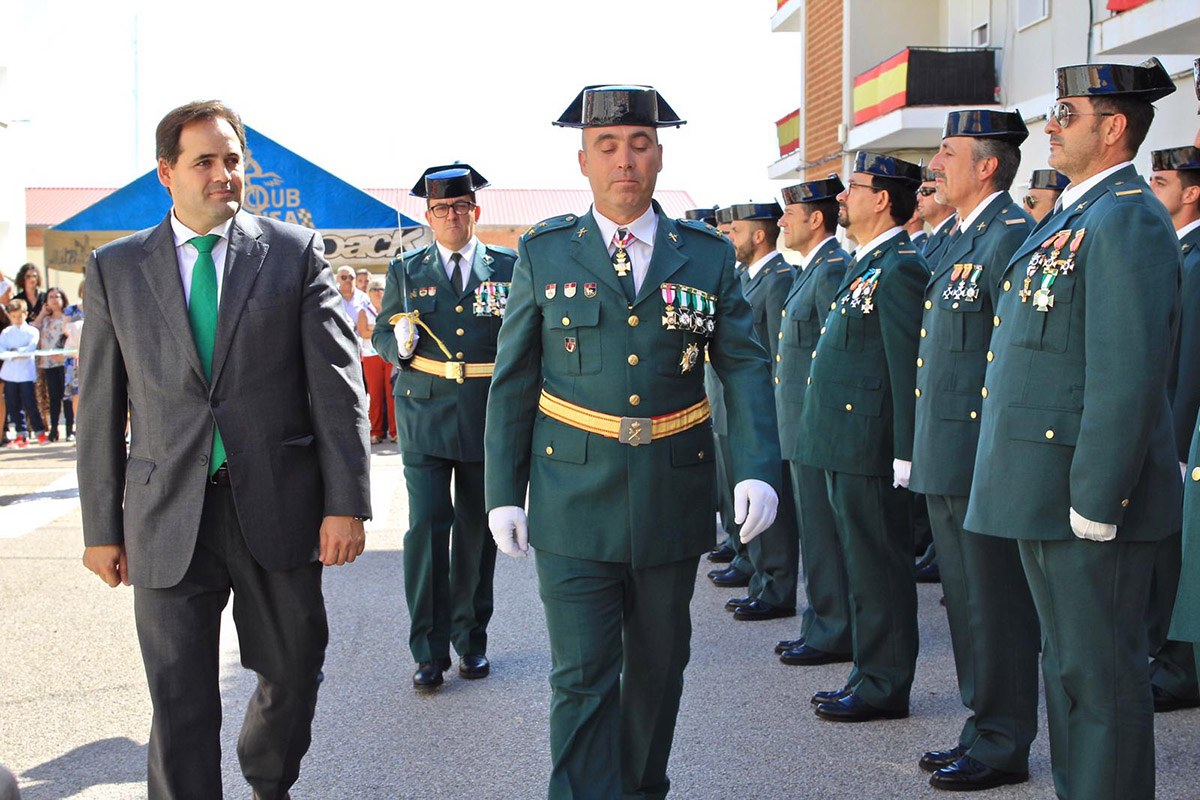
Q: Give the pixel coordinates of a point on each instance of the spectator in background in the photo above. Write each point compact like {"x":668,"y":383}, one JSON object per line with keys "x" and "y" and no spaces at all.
{"x":19,"y":373}
{"x":377,"y":371}
{"x":53,"y":333}
{"x":362,"y":279}
{"x":353,"y":299}
{"x":6,"y":294}
{"x":74,"y":328}
{"x":29,"y":289}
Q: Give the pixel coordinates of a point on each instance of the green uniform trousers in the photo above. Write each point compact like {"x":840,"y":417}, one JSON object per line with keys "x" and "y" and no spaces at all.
{"x":775,"y":554}
{"x":874,"y":527}
{"x":725,"y":505}
{"x":1172,"y":663}
{"x":994,"y":635}
{"x":620,"y":639}
{"x":825,"y":623}
{"x":1091,"y":598}
{"x":449,"y":557}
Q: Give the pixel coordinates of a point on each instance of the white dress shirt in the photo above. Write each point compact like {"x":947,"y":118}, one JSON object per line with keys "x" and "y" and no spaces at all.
{"x":757,"y":266}
{"x":969,"y":220}
{"x":641,"y":250}
{"x":1186,"y":229}
{"x":874,"y":244}
{"x":1073,"y":192}
{"x":805,"y":260}
{"x":950,"y":220}
{"x":186,"y":254}
{"x":467,"y":251}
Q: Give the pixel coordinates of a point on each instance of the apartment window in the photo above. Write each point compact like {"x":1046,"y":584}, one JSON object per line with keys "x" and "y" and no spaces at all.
{"x":981,"y":13}
{"x":1031,"y":11}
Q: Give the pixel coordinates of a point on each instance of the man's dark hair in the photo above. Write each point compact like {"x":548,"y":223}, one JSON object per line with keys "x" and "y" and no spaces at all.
{"x":1138,"y":116}
{"x":901,"y":194}
{"x":829,"y":212}
{"x":770,"y":226}
{"x":1008,"y":159}
{"x":66,"y":301}
{"x":166,"y":136}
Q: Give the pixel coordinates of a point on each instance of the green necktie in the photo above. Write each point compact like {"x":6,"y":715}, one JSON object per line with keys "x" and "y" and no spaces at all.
{"x":202,"y":311}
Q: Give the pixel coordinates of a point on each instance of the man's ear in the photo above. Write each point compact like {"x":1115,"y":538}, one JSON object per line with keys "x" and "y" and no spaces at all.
{"x":583,"y":163}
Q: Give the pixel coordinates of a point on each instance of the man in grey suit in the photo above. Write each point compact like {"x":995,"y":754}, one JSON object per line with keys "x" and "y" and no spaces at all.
{"x":221,"y":334}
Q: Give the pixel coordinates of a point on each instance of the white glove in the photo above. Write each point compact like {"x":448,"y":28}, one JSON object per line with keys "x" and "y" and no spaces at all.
{"x":1095,"y":531}
{"x":754,"y":507}
{"x":1183,"y":470}
{"x":510,"y":530}
{"x":403,"y":330}
{"x":901,"y":472}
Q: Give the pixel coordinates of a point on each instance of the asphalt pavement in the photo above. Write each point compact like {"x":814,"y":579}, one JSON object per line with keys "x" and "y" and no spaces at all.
{"x":75,"y":715}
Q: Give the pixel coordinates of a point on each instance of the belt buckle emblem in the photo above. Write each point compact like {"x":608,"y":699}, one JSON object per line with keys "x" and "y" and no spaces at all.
{"x":456,"y":370}
{"x":635,"y":431}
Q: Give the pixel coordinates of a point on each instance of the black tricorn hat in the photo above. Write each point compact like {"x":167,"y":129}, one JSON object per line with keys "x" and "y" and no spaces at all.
{"x":1175,"y":158}
{"x":1048,"y":179}
{"x":601,"y":106}
{"x":725,"y":215}
{"x":812,"y":191}
{"x":1148,"y":81}
{"x":449,"y":180}
{"x":759,"y":211}
{"x":887,"y":167}
{"x":987,"y":123}
{"x":708,"y":215}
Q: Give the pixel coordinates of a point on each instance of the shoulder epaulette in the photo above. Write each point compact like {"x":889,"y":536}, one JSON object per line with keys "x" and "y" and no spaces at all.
{"x":1127,"y":192}
{"x":497,"y":248}
{"x":552,"y":224}
{"x":783,"y":271}
{"x":698,"y":225}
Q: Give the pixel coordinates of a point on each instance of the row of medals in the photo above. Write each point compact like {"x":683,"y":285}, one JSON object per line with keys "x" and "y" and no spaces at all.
{"x":862,"y":290}
{"x":964,"y":283}
{"x":1051,"y":267}
{"x":688,"y":309}
{"x":491,"y":298}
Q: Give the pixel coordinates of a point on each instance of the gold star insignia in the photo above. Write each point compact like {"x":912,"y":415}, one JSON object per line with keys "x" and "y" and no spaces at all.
{"x":877,"y":252}
{"x":581,"y":232}
{"x":672,"y":237}
{"x":543,"y":225}
{"x":529,"y":231}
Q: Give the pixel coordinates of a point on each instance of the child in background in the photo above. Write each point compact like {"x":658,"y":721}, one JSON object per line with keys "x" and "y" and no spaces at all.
{"x":19,"y":373}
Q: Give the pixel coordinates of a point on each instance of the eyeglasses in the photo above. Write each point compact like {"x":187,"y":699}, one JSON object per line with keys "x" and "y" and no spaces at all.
{"x":1062,"y":113}
{"x":1030,"y":201}
{"x":852,"y":184}
{"x":925,"y":191}
{"x":442,"y":210}
{"x":376,"y":289}
{"x":345,"y":277}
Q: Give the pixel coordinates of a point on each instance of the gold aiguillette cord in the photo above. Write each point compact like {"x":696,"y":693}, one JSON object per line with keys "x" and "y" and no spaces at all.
{"x":415,"y":318}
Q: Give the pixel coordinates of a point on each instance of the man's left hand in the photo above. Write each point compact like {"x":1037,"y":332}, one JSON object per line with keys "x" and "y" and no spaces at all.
{"x":342,"y":540}
{"x":754,"y":507}
{"x":901,"y":472}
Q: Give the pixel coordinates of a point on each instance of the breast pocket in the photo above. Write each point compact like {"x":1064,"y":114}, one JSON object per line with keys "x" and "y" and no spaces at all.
{"x":571,"y":344}
{"x":963,"y":325}
{"x":1048,"y":330}
{"x":804,"y":330}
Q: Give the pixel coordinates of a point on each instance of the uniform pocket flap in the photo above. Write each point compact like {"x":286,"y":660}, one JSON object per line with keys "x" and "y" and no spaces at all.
{"x":1048,"y":425}
{"x":410,"y":383}
{"x":696,"y":446}
{"x":138,"y":470}
{"x":853,"y":399}
{"x":578,"y":315}
{"x":957,"y":405}
{"x":559,"y":442}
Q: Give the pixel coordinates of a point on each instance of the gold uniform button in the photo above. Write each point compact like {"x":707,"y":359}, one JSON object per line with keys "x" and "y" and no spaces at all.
{"x":924,"y":333}
{"x":1196,"y":474}
{"x":1050,"y":434}
{"x":634,"y":399}
{"x":566,"y":321}
{"x":990,"y":356}
{"x":700,"y":455}
{"x":458,"y":309}
{"x":633,"y":320}
{"x":458,"y":380}
{"x":814,"y":353}
{"x":955,"y":304}
{"x":810,"y":380}
{"x":459,"y":356}
{"x":974,"y":415}
{"x":917,"y":392}
{"x":408,"y":392}
{"x":777,"y":380}
{"x":783,"y":313}
{"x":849,"y":406}
{"x":833,"y":305}
{"x":920,"y":362}
{"x":983,"y":392}
{"x":633,"y":359}
{"x":780,"y":335}
{"x":996,"y":322}
{"x":1125,"y":503}
{"x":928,"y":304}
{"x":549,"y":450}
{"x":778,"y":358}
{"x":1007,"y":285}
{"x":822,"y":330}
{"x":460,"y":331}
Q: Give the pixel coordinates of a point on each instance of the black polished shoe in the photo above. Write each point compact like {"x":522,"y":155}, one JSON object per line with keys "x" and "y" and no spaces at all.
{"x":830,"y":697}
{"x":1164,"y":701}
{"x":712,"y":573}
{"x":429,"y":674}
{"x":969,"y":775}
{"x":722,"y":554}
{"x":936,"y":759}
{"x":788,"y":644}
{"x":853,"y":708}
{"x":805,"y":656}
{"x":473,"y":666}
{"x":756,"y":609}
{"x":928,"y":574}
{"x":734,"y":603}
{"x":731,"y":578}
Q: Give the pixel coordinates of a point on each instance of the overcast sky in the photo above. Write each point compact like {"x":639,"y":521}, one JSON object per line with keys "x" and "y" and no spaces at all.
{"x":377,"y":91}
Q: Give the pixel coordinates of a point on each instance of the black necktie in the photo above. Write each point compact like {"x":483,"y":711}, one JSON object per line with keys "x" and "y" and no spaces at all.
{"x":456,"y":280}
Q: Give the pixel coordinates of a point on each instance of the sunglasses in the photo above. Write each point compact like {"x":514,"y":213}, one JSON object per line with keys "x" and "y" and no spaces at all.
{"x":1062,"y":113}
{"x":925,"y":191}
{"x":1030,"y":201}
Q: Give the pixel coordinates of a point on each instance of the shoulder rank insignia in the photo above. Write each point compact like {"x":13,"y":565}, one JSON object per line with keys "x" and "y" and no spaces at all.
{"x":907,"y":252}
{"x":1128,"y":192}
{"x":834,"y":260}
{"x":674,"y":237}
{"x":697,"y":225}
{"x":554,"y":223}
{"x":1013,"y":221}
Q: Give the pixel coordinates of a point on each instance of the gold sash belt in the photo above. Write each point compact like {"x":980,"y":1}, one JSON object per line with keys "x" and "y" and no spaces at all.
{"x":451,"y":370}
{"x":627,"y":430}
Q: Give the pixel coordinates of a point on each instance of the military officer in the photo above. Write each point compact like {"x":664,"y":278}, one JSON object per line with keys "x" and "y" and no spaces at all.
{"x":940,"y":217}
{"x":609,"y":316}
{"x":915,"y":227}
{"x":775,"y":554}
{"x":442,"y":309}
{"x":809,"y":223}
{"x":993,"y":624}
{"x":1076,"y":455}
{"x":857,"y":426}
{"x":1045,"y":186}
{"x":1175,"y":181}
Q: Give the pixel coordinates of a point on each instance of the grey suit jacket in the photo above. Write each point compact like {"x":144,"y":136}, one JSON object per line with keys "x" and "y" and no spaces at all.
{"x":286,"y":392}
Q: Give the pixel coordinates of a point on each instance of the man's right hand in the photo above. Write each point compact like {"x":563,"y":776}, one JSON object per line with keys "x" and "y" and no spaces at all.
{"x":405,"y":332}
{"x":107,"y":561}
{"x":510,"y":530}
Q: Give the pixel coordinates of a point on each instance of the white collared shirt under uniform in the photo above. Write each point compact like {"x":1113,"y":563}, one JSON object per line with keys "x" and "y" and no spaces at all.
{"x":641,"y":250}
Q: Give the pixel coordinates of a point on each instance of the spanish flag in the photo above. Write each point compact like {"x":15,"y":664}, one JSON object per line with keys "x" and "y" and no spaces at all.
{"x":881,"y":89}
{"x":788,"y":130}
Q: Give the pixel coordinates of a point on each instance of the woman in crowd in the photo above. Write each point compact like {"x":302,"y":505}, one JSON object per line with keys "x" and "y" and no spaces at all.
{"x":53,"y":326}
{"x":29,"y":289}
{"x":376,"y":371}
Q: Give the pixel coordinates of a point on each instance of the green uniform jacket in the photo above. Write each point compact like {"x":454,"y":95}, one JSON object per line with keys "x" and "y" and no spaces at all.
{"x":1075,"y":413}
{"x":953,"y":354}
{"x":803,"y":315}
{"x":436,"y":416}
{"x":592,"y":497}
{"x":858,"y":411}
{"x":935,"y":245}
{"x":712,"y":386}
{"x":1185,"y":383}
{"x":766,"y":293}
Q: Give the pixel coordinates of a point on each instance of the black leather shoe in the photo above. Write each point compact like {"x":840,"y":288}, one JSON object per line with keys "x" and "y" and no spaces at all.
{"x":1164,"y":701}
{"x":473,"y":666}
{"x":714,"y":572}
{"x":853,"y":708}
{"x":787,"y":644}
{"x":805,"y":656}
{"x":936,"y":759}
{"x":722,"y":554}
{"x":969,"y":775}
{"x":756,"y":609}
{"x":830,"y":697}
{"x":429,"y":674}
{"x":734,"y":603}
{"x":731,"y":578}
{"x":928,"y":574}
